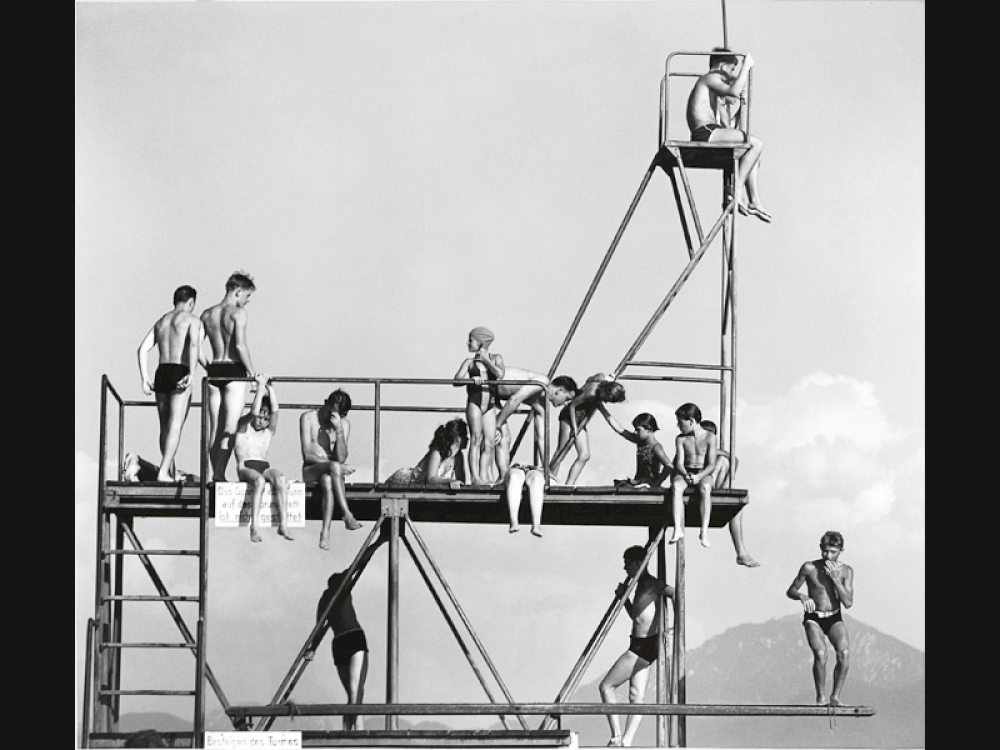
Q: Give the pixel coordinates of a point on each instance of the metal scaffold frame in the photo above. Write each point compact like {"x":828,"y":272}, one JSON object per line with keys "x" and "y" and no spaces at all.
{"x":396,"y":509}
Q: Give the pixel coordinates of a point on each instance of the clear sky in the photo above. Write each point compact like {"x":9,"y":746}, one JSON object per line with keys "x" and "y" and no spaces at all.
{"x":395,"y":173}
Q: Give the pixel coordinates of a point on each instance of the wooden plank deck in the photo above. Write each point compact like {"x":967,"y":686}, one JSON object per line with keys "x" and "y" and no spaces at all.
{"x":564,"y":506}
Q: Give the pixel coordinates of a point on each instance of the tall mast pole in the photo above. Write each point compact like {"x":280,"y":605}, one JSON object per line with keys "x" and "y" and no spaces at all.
{"x":725,"y":29}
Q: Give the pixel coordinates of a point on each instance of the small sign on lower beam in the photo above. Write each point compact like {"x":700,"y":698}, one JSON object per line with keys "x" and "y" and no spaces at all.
{"x":233,"y":506}
{"x":253,"y":740}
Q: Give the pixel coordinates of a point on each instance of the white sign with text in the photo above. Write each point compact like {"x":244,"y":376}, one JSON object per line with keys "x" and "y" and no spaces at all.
{"x":250,"y":740}
{"x":233,"y":505}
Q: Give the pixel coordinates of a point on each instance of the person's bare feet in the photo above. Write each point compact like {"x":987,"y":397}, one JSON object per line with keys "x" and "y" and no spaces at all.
{"x":324,"y":539}
{"x":745,"y":559}
{"x":351,"y":523}
{"x":255,"y":535}
{"x":282,"y":531}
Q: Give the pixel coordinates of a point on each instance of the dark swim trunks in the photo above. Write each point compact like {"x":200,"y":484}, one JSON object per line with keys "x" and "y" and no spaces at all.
{"x":347,"y":644}
{"x":225,"y":370}
{"x":646,"y":647}
{"x":825,"y":623}
{"x":168,"y":375}
{"x":256,"y":465}
{"x":704,"y":132}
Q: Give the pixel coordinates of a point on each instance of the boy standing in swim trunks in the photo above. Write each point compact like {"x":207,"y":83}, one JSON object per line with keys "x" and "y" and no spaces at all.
{"x":350,"y":646}
{"x":720,"y":83}
{"x":178,"y":337}
{"x":225,"y":326}
{"x":694,"y":464}
{"x":481,"y":406}
{"x":829,"y":586}
{"x":253,"y":438}
{"x":633,"y":665}
{"x":323,"y":435}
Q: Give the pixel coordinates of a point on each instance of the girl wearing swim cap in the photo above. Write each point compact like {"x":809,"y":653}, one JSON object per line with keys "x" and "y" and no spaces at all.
{"x":481,"y":403}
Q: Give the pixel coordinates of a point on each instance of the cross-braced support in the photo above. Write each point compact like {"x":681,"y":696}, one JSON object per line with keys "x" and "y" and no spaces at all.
{"x":671,"y":159}
{"x":392,"y":526}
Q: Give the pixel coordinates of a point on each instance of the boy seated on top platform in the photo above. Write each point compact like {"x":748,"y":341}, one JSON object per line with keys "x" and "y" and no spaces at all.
{"x":707,"y":123}
{"x":254,"y":431}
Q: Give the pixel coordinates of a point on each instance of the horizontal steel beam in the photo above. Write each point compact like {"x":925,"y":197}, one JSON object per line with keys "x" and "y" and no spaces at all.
{"x":491,"y":709}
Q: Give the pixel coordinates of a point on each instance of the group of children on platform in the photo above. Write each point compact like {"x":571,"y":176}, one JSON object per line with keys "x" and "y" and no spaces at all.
{"x":497,"y":391}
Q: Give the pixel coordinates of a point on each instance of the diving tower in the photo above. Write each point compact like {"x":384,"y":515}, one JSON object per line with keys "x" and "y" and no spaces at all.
{"x":397,"y":511}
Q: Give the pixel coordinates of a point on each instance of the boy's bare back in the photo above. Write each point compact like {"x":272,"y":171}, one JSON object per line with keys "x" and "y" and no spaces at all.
{"x":173,"y":334}
{"x":221,"y":322}
{"x":703,"y":102}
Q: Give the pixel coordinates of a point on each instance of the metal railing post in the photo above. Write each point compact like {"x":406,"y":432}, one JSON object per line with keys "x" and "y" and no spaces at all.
{"x":201,"y":651}
{"x":392,"y":625}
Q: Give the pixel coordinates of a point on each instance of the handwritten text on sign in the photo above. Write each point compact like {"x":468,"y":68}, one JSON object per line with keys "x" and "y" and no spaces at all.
{"x":233,"y":505}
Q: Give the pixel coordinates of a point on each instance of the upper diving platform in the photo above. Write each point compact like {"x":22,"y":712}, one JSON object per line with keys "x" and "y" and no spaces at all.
{"x":564,"y":505}
{"x":698,"y":154}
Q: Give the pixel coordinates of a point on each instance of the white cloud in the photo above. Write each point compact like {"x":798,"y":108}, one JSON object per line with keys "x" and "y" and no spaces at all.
{"x":819,"y":406}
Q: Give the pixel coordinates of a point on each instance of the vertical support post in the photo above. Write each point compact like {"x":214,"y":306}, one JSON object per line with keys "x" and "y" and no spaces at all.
{"x":201,"y":654}
{"x":102,"y":607}
{"x":725,"y":376}
{"x":725,"y":28}
{"x":87,"y":677}
{"x":730,"y":438}
{"x":121,"y":439}
{"x":679,"y":643}
{"x":115,"y":660}
{"x":378,"y":426}
{"x":662,"y":732}
{"x":392,"y":634}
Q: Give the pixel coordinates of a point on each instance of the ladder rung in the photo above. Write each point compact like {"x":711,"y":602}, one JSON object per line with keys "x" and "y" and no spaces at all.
{"x":146,"y":692}
{"x":147,"y":598}
{"x":152,"y":552}
{"x":148,"y":645}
